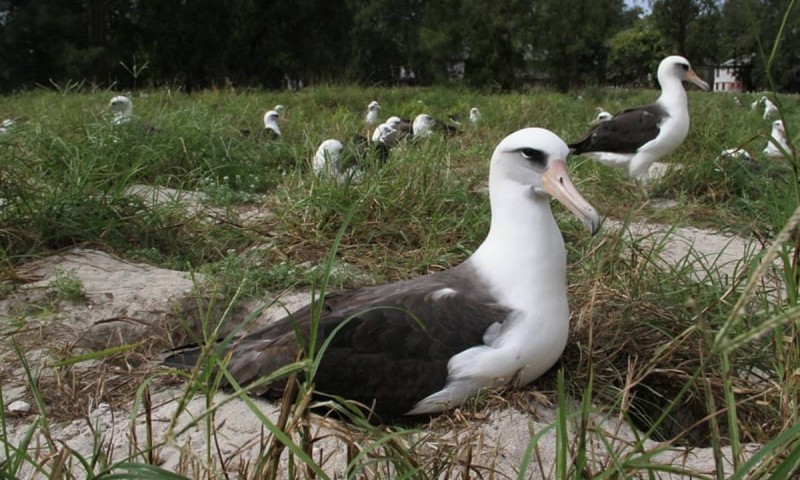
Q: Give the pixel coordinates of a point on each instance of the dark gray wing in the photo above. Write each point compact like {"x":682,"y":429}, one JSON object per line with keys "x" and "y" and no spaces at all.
{"x":393,"y":350}
{"x":268,"y":134}
{"x":624,"y":132}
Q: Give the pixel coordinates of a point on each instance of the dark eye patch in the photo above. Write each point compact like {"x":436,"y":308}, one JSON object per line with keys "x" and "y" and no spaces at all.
{"x":684,"y":66}
{"x":536,"y":157}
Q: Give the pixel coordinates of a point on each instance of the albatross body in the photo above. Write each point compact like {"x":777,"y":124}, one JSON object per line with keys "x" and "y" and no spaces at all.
{"x":371,"y":118}
{"x":474,"y":115}
{"x":423,"y":345}
{"x":271,"y":128}
{"x":345,"y":160}
{"x":777,"y":145}
{"x":122,"y":107}
{"x":637,"y":137}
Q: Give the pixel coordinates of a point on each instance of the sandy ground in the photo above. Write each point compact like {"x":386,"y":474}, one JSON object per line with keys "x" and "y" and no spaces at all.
{"x":126,"y":303}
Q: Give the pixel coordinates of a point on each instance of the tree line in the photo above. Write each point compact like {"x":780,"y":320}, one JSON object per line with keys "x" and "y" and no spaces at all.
{"x":277,"y":44}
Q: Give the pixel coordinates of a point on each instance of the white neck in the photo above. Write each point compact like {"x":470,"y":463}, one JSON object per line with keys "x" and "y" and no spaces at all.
{"x":523,"y":257}
{"x":673,"y":95}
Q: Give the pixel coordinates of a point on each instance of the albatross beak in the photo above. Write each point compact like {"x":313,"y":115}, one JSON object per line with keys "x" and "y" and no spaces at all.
{"x":692,"y":77}
{"x":558,"y":184}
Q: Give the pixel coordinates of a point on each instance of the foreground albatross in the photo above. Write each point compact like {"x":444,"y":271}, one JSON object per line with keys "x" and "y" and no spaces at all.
{"x":423,"y":345}
{"x":637,"y":137}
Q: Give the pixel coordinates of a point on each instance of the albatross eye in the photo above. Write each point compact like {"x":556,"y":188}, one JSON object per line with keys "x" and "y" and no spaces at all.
{"x":537,"y":157}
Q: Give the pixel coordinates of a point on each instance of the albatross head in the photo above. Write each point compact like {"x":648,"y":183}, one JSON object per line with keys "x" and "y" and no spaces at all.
{"x":678,"y":67}
{"x":537,"y":158}
{"x":120,"y":103}
{"x":373,"y":106}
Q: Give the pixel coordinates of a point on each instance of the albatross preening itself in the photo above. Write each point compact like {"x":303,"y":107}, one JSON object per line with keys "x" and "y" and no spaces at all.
{"x":637,"y":137}
{"x":422,"y":345}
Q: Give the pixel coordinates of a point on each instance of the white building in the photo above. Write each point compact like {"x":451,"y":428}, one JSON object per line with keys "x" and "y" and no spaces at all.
{"x":726,"y":77}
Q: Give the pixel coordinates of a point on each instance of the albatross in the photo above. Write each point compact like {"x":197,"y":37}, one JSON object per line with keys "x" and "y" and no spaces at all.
{"x":474,"y":115}
{"x":777,"y":145}
{"x":602,"y":115}
{"x":770,"y":110}
{"x":637,"y":137}
{"x":423,"y":345}
{"x":372,"y":113}
{"x":345,"y":160}
{"x":122,"y":108}
{"x":271,"y":128}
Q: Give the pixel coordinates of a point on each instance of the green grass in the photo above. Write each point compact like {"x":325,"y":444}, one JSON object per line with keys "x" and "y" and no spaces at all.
{"x":650,"y":342}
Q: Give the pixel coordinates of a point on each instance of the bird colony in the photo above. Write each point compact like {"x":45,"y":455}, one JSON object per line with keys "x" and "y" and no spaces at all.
{"x":426,"y":344}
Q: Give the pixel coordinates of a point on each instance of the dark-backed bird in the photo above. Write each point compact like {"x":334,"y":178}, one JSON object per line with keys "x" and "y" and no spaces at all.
{"x":637,"y":137}
{"x":390,"y":133}
{"x":271,"y":128}
{"x":327,"y":160}
{"x":422,"y":127}
{"x":402,"y":125}
{"x":426,"y":344}
{"x":346,"y":160}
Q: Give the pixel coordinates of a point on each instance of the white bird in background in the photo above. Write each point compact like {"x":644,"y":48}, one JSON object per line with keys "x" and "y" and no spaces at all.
{"x":422,"y":127}
{"x":474,"y":115}
{"x":328,"y":158}
{"x":637,"y":137}
{"x":384,"y":133}
{"x":278,"y":108}
{"x":777,"y":145}
{"x":372,"y":113}
{"x":122,"y":107}
{"x":6,"y":125}
{"x":271,"y":127}
{"x":602,"y":115}
{"x":738,"y":153}
{"x":770,"y":110}
{"x":345,"y":160}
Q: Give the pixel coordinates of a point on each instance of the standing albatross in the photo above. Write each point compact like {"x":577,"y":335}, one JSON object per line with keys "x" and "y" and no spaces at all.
{"x":422,"y":345}
{"x":637,"y":137}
